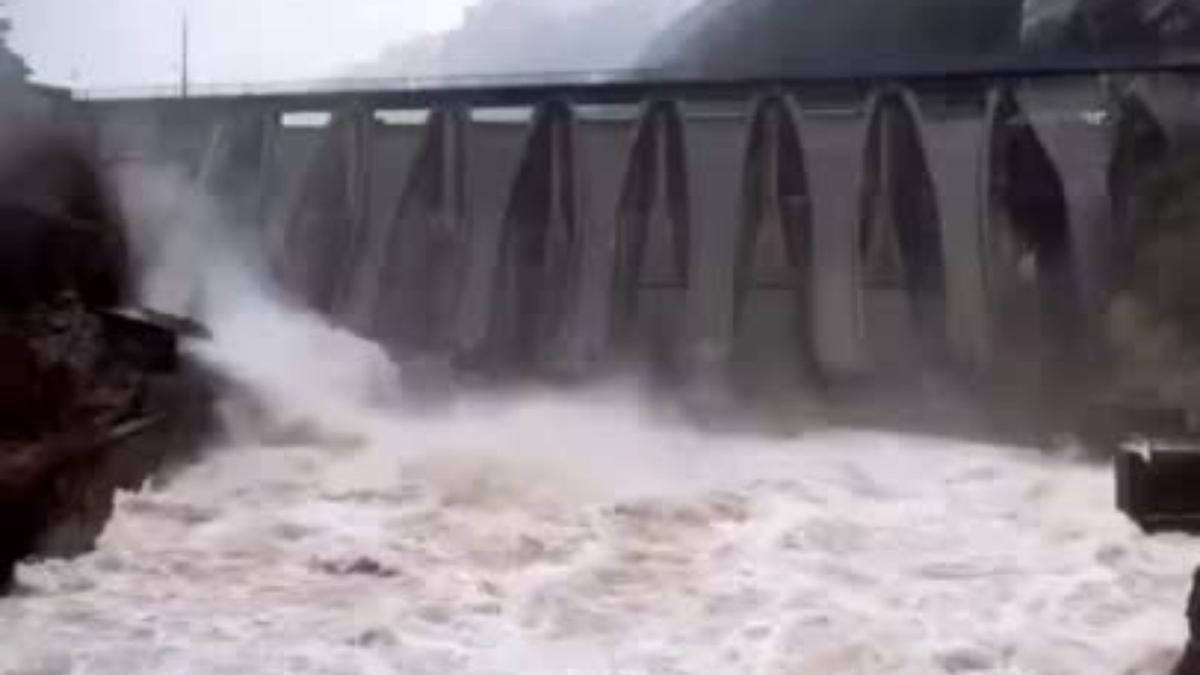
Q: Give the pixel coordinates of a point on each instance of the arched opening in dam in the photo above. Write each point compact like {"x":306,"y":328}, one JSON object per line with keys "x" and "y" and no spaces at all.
{"x":1141,"y":148}
{"x":1030,"y":260}
{"x":901,"y":267}
{"x":537,"y":273}
{"x":408,"y":279}
{"x":774,"y":333}
{"x":313,"y":223}
{"x":652,"y":260}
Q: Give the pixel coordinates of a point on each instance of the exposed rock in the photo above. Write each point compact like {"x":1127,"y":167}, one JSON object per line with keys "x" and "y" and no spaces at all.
{"x":966,"y":660}
{"x":362,"y":566}
{"x":78,"y":423}
{"x":1190,"y":663}
{"x":91,"y":400}
{"x":375,"y":637}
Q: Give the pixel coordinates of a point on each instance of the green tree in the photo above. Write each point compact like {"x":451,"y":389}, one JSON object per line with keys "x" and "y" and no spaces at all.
{"x":12,"y":66}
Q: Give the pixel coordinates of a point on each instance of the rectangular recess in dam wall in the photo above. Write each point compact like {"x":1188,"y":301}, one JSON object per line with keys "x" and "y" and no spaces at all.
{"x":834,"y":149}
{"x":516,"y":115}
{"x":495,"y":142}
{"x":128,"y":133}
{"x":773,"y":332}
{"x":391,"y":155}
{"x":902,"y":323}
{"x":305,"y":119}
{"x":654,"y":256}
{"x":317,"y":230}
{"x":409,"y":117}
{"x":603,"y":146}
{"x":955,"y":148}
{"x":1070,"y":119}
{"x":292,"y":154}
{"x":394,"y":151}
{"x":715,"y":143}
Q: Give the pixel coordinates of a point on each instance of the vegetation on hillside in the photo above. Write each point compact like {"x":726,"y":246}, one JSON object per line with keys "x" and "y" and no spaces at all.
{"x":12,"y":66}
{"x":1113,"y":28}
{"x":795,"y":37}
{"x":1154,"y":320}
{"x":789,"y":37}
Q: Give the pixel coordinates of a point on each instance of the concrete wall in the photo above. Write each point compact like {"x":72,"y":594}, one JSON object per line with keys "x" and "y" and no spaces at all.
{"x":734,"y":225}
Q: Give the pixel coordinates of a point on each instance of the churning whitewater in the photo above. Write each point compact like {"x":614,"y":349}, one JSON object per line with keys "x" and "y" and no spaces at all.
{"x":334,"y":532}
{"x":337,"y":535}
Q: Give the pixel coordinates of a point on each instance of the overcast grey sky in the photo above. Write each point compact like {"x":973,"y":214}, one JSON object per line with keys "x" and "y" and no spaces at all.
{"x":114,"y":43}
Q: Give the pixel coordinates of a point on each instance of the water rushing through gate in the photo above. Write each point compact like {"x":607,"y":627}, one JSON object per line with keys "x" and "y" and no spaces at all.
{"x":543,"y":534}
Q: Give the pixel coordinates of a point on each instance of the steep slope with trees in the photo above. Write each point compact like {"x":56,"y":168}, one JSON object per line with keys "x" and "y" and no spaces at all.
{"x":1127,"y":28}
{"x":776,"y":37}
{"x":715,"y":38}
{"x":794,"y":37}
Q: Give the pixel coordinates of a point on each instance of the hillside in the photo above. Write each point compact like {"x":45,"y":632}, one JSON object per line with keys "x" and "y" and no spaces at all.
{"x":715,"y":38}
{"x":12,"y":67}
{"x":1131,"y":28}
{"x":773,"y":37}
{"x":501,"y":37}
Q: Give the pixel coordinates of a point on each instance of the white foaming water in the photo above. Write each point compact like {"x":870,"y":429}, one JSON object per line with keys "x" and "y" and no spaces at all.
{"x":546,"y":535}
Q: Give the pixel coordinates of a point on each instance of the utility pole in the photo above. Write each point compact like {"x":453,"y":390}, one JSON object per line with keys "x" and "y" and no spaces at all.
{"x":184,"y":57}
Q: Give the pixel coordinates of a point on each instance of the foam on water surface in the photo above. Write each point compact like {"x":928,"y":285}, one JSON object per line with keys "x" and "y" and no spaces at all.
{"x":544,"y":535}
{"x":557,"y":536}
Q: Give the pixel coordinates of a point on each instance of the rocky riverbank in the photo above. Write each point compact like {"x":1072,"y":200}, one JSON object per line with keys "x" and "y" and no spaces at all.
{"x":97,"y":405}
{"x":92,"y":398}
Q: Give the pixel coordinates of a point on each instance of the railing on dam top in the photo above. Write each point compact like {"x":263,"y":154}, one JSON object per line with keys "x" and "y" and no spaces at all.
{"x":641,"y":83}
{"x":768,"y":234}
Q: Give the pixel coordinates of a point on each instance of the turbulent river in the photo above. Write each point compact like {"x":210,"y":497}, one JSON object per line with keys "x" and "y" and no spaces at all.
{"x":551,"y":535}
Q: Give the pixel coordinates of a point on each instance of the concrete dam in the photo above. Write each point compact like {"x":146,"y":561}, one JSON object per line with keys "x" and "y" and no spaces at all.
{"x":782,"y":242}
{"x":764,"y":238}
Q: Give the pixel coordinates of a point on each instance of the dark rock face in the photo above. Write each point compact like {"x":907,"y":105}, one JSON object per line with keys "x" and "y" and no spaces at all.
{"x":79,"y":419}
{"x":84,"y":413}
{"x":42,"y":256}
{"x":57,"y":401}
{"x":1151,"y":325}
{"x":58,"y":224}
{"x":1190,"y":664}
{"x":91,"y":400}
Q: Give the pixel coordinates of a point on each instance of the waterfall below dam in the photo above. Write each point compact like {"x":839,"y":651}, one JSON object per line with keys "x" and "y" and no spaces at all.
{"x":334,"y":531}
